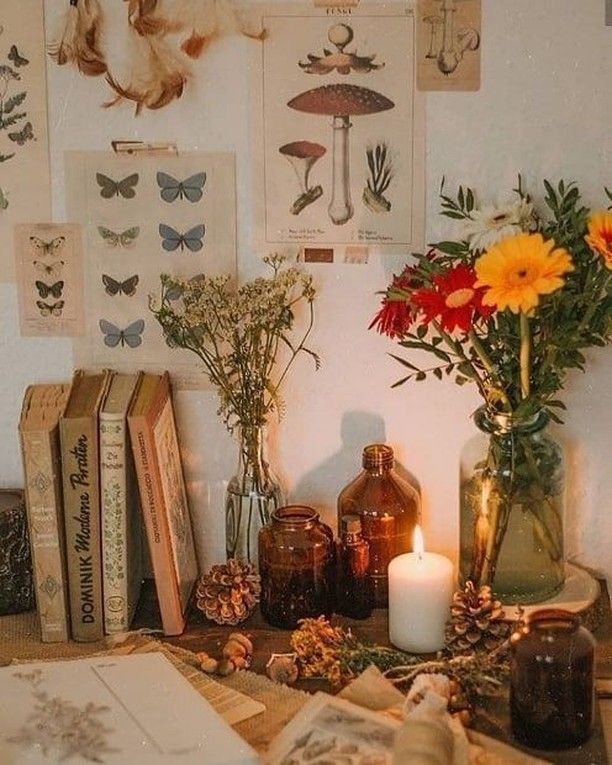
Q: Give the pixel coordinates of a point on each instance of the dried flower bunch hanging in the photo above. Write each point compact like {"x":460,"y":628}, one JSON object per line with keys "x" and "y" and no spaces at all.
{"x":164,"y":35}
{"x":239,"y":333}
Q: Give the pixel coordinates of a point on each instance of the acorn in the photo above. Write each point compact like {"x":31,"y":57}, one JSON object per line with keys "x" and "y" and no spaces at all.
{"x":282,"y":668}
{"x":225,"y":668}
{"x":207,"y":663}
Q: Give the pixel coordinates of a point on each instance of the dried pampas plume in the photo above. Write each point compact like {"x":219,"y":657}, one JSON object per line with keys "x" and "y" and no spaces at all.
{"x":80,"y":41}
{"x":158,"y":75}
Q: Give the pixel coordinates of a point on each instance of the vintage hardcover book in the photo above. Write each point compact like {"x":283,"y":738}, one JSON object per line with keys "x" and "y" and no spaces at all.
{"x":43,"y":405}
{"x":163,"y":498}
{"x":81,"y":483}
{"x":121,"y":516}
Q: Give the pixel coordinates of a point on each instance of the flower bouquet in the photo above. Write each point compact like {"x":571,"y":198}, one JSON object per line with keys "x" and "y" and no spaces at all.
{"x":509,"y":306}
{"x":238,"y":335}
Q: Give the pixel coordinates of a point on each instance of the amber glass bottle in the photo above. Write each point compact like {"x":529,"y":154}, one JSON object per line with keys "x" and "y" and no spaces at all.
{"x":389,"y":510}
{"x":354,"y":595}
{"x":552,"y":694}
{"x":296,"y":563}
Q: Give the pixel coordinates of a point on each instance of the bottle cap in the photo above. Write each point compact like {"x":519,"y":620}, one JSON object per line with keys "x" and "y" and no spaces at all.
{"x":350,"y":524}
{"x":378,"y":455}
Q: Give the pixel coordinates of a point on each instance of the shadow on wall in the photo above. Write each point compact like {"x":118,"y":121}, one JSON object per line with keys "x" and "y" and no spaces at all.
{"x":321,"y":486}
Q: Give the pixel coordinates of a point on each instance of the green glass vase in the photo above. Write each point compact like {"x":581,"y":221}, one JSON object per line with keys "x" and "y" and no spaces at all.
{"x":512,"y":496}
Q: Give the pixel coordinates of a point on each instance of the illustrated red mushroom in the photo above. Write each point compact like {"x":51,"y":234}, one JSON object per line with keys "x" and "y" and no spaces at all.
{"x":341,"y":101}
{"x":302,"y":155}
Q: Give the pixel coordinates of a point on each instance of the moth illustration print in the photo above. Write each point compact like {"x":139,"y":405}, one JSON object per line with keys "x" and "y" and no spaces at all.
{"x":109,"y":188}
{"x":173,"y":239}
{"x":48,"y":248}
{"x":114,"y":287}
{"x":49,"y":290}
{"x":190,"y":189}
{"x":116,"y":239}
{"x":49,"y":269}
{"x":113,"y":336}
{"x":50,"y":309}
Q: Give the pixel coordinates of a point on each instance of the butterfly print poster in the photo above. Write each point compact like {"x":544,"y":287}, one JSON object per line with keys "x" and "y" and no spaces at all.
{"x":49,"y":267}
{"x":142,"y":217}
{"x":24,"y":157}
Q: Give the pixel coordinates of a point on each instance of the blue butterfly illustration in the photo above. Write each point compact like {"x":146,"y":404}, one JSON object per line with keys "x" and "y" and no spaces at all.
{"x":172,"y":239}
{"x":130,"y":336}
{"x":171,"y":189}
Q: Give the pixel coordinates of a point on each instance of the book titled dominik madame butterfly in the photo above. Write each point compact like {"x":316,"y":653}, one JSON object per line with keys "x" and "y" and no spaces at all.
{"x":144,"y":216}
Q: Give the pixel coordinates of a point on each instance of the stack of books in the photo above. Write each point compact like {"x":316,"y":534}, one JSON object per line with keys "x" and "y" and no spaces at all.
{"x":101,"y":460}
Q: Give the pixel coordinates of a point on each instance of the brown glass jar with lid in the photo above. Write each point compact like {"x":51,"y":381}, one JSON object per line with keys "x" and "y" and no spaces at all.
{"x":389,"y":509}
{"x":551,"y":681}
{"x":296,"y":564}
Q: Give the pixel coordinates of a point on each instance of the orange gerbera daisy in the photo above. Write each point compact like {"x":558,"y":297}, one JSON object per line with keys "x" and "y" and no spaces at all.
{"x":599,"y":237}
{"x":521,"y":268}
{"x":454,"y":300}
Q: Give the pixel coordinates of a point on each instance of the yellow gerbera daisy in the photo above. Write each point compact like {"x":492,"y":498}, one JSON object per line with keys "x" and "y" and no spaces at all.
{"x":519,"y":269}
{"x":599,"y":237}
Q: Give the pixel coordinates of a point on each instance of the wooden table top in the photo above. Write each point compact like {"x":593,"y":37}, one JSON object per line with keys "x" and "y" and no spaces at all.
{"x":202,"y":635}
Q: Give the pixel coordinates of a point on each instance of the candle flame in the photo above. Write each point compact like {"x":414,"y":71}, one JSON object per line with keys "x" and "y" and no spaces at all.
{"x":418,"y":545}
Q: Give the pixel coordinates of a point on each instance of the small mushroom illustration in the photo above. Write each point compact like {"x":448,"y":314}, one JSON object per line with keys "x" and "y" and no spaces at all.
{"x":340,"y":35}
{"x":301,"y":156}
{"x":434,"y":22}
{"x":341,"y":101}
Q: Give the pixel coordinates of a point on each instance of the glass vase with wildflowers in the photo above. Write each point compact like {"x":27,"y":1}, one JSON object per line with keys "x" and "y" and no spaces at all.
{"x":247,"y":340}
{"x":510,"y":306}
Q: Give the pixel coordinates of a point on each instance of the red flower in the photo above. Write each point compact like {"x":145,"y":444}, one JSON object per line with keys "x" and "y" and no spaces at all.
{"x":396,"y":315}
{"x":454,"y":299}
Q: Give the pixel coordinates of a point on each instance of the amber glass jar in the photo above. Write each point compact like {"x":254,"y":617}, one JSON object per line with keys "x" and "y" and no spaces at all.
{"x":389,"y":509}
{"x":552,"y":686}
{"x":296,"y":563}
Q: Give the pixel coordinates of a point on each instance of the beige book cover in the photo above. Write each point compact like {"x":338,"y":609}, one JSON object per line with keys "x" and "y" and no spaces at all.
{"x":81,"y":484}
{"x":163,"y":498}
{"x":121,"y":515}
{"x":39,"y":436}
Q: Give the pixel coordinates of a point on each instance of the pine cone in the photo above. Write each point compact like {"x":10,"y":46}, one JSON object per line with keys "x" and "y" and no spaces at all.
{"x":229,"y":593}
{"x":477,"y":621}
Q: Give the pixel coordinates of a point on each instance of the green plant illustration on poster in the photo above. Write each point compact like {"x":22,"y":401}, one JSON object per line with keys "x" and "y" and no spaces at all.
{"x":14,"y":122}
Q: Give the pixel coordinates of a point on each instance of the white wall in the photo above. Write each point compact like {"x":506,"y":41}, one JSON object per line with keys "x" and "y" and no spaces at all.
{"x":544,"y":109}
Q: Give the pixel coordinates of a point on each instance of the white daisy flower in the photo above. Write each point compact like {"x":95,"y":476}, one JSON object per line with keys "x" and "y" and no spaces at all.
{"x":491,"y":224}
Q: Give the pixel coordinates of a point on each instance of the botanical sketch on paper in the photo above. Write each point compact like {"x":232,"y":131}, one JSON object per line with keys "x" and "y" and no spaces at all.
{"x":145,"y":216}
{"x":24,"y":160}
{"x":448,"y":44}
{"x":61,"y":729}
{"x":333,"y":731}
{"x":341,"y":131}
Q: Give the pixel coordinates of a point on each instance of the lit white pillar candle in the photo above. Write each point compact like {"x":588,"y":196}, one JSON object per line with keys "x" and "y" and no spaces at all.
{"x":421,"y":586}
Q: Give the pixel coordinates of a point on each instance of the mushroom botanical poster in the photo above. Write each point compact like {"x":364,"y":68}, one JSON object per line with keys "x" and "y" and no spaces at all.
{"x":24,"y":155}
{"x":341,"y":145}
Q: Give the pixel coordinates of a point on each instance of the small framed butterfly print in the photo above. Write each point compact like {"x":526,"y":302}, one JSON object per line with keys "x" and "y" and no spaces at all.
{"x":192,"y":239}
{"x":49,"y":266}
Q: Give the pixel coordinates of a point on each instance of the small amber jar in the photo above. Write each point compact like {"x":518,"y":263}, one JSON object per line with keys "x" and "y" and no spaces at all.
{"x":552,"y":685}
{"x":296,"y":564}
{"x":353,"y":585}
{"x":388,"y":507}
